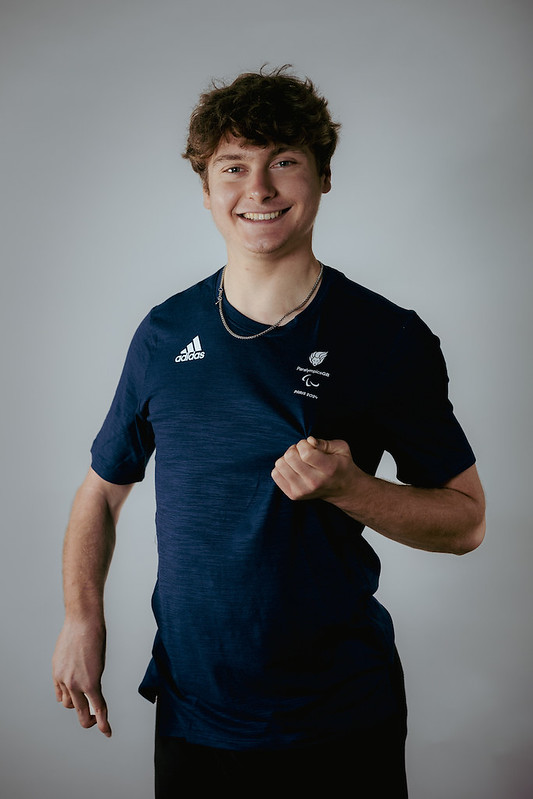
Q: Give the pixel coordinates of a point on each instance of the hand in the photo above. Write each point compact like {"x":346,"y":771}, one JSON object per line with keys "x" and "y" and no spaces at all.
{"x":316,"y":469}
{"x":77,"y":665}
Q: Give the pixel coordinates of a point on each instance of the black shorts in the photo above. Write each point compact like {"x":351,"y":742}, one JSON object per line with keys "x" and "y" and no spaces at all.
{"x":368,"y":765}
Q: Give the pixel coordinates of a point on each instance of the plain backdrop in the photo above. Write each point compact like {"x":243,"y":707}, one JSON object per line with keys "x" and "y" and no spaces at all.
{"x":102,"y":219}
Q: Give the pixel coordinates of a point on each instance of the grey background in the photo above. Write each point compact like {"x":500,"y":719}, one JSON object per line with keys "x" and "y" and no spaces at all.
{"x":101,"y":219}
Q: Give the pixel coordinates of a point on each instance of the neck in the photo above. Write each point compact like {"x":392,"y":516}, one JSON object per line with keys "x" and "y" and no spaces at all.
{"x":267,"y":291}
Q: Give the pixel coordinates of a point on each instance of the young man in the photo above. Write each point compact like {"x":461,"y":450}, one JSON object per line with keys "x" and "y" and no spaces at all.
{"x":274,"y":386}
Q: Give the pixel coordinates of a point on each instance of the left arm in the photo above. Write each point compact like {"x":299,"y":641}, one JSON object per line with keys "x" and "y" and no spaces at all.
{"x":450,"y":518}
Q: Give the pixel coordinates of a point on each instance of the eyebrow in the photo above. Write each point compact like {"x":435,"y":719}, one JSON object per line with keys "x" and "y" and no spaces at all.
{"x":242,"y":156}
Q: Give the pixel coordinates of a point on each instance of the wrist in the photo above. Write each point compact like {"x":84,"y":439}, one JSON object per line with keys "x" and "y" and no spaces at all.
{"x":349,"y":496}
{"x":86,"y":612}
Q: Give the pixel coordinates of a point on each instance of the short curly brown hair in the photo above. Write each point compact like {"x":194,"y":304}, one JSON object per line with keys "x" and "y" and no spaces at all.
{"x":262,"y":108}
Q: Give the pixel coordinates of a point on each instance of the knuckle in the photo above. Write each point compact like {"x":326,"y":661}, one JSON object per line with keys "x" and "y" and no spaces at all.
{"x":314,"y":485}
{"x":306,"y":453}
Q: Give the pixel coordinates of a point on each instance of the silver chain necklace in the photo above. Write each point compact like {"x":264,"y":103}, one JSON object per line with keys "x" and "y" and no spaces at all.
{"x":276,"y":324}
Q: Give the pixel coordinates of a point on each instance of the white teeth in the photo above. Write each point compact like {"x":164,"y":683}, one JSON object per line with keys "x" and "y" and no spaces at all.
{"x":260,"y":217}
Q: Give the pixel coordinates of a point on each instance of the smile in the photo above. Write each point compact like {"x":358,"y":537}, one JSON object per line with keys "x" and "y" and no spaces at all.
{"x":263,"y":217}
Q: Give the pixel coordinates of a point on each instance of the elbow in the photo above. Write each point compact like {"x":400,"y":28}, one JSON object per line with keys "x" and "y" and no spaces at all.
{"x":471,"y":538}
{"x":467,"y":529}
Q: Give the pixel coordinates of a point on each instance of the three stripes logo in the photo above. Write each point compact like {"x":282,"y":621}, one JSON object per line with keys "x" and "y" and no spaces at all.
{"x":192,"y":352}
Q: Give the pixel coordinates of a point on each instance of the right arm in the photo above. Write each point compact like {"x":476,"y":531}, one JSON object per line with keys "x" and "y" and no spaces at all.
{"x":79,"y":656}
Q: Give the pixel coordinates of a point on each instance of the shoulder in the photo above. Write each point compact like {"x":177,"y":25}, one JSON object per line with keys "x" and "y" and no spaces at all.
{"x":348,"y":293}
{"x":166,"y":320}
{"x":189,"y":298}
{"x":368,"y":313}
{"x":177,"y":311}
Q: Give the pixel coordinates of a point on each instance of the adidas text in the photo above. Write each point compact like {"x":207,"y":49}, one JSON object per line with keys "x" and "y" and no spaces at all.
{"x":192,"y":352}
{"x":189,"y":356}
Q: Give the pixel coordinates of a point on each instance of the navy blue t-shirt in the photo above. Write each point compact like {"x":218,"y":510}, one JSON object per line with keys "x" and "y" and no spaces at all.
{"x":269,"y":634}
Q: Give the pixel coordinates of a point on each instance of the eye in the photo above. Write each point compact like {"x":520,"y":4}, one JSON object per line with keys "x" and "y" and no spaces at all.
{"x":284,"y":163}
{"x":233,"y":170}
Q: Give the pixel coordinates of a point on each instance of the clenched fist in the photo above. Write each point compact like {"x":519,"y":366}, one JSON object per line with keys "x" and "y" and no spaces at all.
{"x":316,"y":469}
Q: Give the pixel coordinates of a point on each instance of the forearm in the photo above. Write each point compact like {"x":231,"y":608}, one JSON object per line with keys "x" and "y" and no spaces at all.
{"x":87,"y":553}
{"x":88,"y":548}
{"x":450,"y":518}
{"x":434,"y":519}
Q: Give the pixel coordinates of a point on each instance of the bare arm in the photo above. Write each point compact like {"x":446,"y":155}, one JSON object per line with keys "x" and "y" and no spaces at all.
{"x":450,"y":518}
{"x":79,"y":655}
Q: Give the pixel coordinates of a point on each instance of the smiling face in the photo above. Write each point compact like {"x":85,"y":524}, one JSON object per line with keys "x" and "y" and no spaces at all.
{"x":264,"y":200}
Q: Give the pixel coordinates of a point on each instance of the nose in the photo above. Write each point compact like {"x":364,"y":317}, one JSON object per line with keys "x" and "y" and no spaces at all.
{"x":261,"y":187}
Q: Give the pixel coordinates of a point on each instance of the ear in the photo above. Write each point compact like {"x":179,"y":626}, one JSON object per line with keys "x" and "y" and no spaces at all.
{"x":326,"y":180}
{"x":207,"y":198}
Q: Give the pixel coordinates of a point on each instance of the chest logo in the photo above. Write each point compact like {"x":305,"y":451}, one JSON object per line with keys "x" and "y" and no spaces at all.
{"x":192,"y":352}
{"x":316,"y":358}
{"x":312,"y":378}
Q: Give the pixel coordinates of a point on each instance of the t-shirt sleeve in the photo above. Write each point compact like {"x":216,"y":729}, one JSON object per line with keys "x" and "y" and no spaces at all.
{"x":414,"y":413}
{"x":122,"y":448}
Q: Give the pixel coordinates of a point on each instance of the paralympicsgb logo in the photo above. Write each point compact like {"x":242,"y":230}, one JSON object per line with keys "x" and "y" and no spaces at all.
{"x":316,"y":358}
{"x":312,"y":378}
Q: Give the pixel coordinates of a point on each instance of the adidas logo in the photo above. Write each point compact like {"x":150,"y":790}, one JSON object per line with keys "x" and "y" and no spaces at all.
{"x":192,"y":352}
